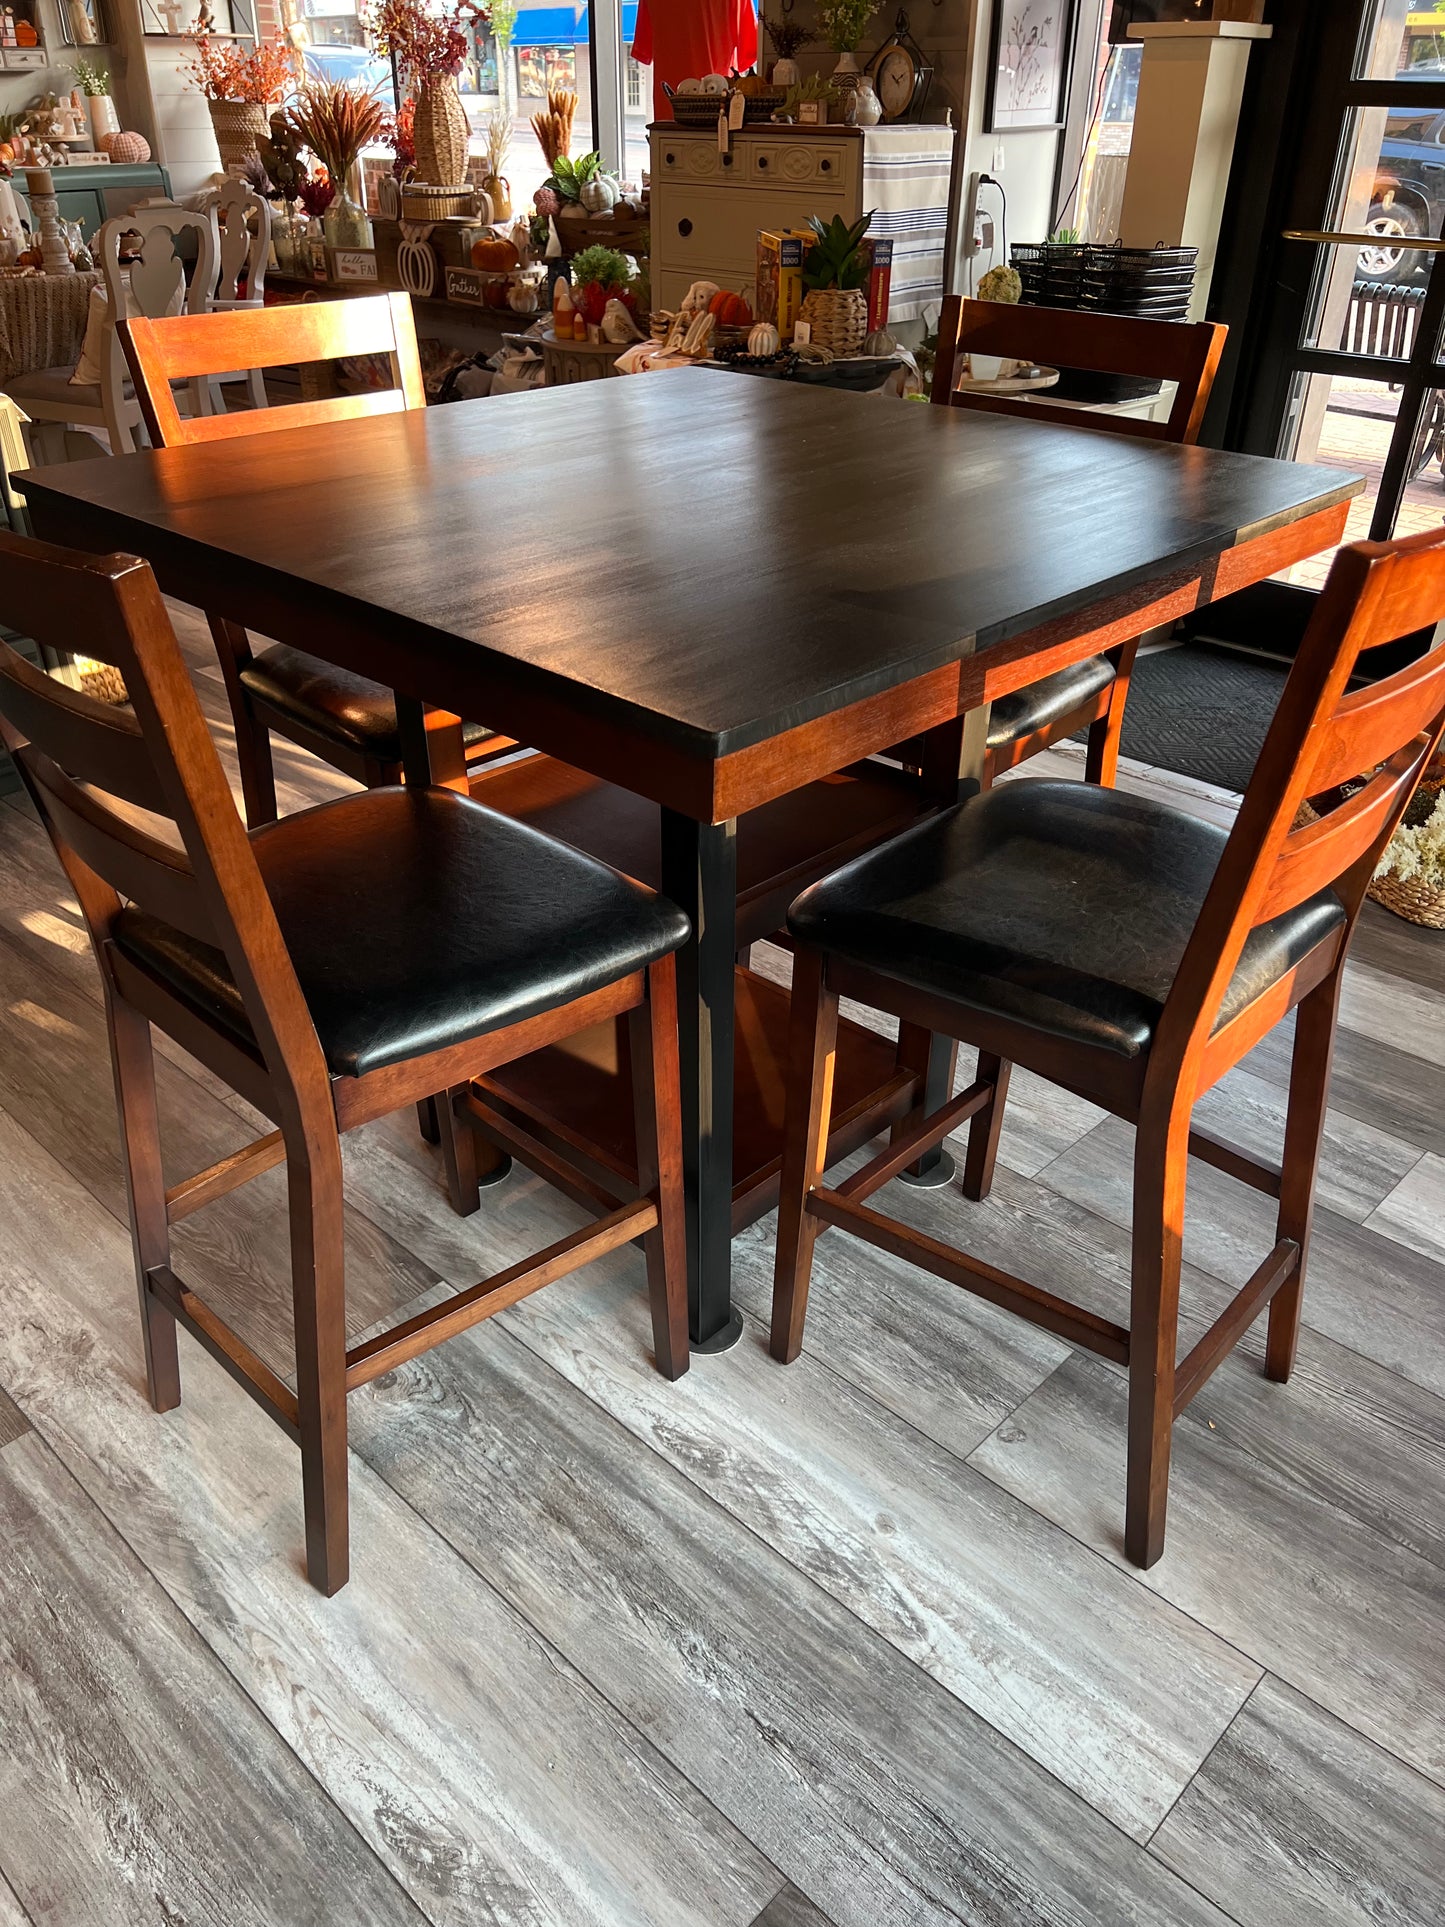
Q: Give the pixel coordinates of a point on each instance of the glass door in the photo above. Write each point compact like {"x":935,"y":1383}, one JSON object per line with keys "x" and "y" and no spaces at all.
{"x":1358,"y":382}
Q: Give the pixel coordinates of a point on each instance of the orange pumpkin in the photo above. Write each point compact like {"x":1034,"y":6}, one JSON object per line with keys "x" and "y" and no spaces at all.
{"x":494,"y":255}
{"x":31,"y":258}
{"x":731,"y":310}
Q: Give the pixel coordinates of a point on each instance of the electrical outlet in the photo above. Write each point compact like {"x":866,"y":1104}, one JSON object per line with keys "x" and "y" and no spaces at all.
{"x":983,"y":232}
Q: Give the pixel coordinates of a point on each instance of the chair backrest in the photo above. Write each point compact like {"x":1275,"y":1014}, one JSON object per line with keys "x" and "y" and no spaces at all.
{"x":153,"y":280}
{"x":244,"y":217}
{"x":90,"y":768}
{"x":1184,"y":352}
{"x":183,"y":346}
{"x":1357,"y":753}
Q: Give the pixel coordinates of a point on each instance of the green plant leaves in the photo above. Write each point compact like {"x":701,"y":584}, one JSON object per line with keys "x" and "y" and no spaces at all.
{"x":833,"y":261}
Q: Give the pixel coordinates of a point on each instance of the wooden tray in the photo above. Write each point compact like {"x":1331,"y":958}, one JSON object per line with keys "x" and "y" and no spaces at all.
{"x":1008,"y":384}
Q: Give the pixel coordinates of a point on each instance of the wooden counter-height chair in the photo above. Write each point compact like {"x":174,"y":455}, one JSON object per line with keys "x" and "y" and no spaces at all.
{"x":345,"y":719}
{"x":1089,"y":695}
{"x":331,"y":967}
{"x":1131,"y":954}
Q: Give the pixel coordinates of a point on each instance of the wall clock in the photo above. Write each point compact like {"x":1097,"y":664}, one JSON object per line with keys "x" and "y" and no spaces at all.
{"x":901,"y":76}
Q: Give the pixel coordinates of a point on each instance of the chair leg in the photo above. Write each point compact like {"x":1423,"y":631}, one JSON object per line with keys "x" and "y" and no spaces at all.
{"x":318,"y":1283}
{"x":459,"y":1154}
{"x":426,"y":1120}
{"x":986,"y":1128}
{"x":133,"y":1061}
{"x":812,"y":1047}
{"x":1161,"y":1156}
{"x":253,"y":740}
{"x":1309,"y":1086}
{"x":657,"y":1105}
{"x":1101,"y":756}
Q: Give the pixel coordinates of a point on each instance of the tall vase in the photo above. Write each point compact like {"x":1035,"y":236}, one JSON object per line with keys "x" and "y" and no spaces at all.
{"x":345,"y":224}
{"x":845,"y":74}
{"x":103,"y":117}
{"x":442,"y":133}
{"x":786,"y":72}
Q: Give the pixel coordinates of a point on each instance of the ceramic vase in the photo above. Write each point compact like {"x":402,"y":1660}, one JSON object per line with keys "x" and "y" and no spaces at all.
{"x":442,"y":133}
{"x":786,"y":73}
{"x":103,"y":118}
{"x":845,"y":74}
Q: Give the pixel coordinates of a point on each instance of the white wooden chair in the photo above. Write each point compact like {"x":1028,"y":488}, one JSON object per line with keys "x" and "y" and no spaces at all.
{"x":153,"y":283}
{"x":244,"y":224}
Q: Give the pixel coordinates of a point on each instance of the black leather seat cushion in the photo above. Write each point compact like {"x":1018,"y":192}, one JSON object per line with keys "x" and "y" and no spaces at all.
{"x":417,"y":919}
{"x":348,"y":710}
{"x":1060,"y":905}
{"x":1045,"y":703}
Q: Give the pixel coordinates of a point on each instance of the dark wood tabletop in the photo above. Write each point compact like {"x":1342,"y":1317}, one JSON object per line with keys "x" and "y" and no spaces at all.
{"x":701,"y":560}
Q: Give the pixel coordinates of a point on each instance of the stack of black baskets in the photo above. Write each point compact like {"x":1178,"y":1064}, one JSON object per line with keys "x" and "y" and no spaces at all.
{"x":1153,"y":284}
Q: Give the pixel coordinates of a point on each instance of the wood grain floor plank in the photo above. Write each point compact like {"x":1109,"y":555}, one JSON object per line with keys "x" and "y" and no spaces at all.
{"x":1340,"y":1611}
{"x":1377,"y":1083}
{"x":12,"y":1420}
{"x":791,"y":1909}
{"x":1054,"y":1648}
{"x":55,"y":1078}
{"x":1359,"y":1163}
{"x":1395,"y":1010}
{"x":1398,"y":948}
{"x":138,"y":1783}
{"x":869,"y":1786}
{"x":478,"y":1765}
{"x":1367,"y":1292}
{"x":1414,"y":1212}
{"x":1297,"y":1820}
{"x":12,"y":1914}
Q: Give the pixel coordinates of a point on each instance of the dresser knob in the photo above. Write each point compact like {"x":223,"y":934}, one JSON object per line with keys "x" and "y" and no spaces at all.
{"x":727,"y":160}
{"x":672,"y":160}
{"x":684,"y":228}
{"x":762,"y":161}
{"x":825,"y":165}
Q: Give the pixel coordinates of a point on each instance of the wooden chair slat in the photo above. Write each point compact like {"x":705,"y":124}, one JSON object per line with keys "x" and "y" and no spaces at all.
{"x":1318,"y":855}
{"x":1183,"y":352}
{"x":183,"y":347}
{"x":1372,"y":723}
{"x":78,"y":733}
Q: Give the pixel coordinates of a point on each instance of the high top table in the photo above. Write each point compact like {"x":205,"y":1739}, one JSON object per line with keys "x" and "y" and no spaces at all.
{"x":705,"y":591}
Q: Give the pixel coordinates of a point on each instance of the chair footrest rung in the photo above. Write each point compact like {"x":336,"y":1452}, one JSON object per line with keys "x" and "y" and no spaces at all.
{"x":1235,"y":1162}
{"x":917,"y":1134}
{"x":1234,"y":1321}
{"x":1057,"y":1315}
{"x":465,"y":1308}
{"x":218,"y":1179}
{"x":227,"y":1347}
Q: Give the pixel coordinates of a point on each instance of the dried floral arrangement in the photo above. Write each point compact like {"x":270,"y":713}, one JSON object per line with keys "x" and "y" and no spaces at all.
{"x":336,"y":119}
{"x":398,"y":132}
{"x":787,"y":36}
{"x":280,"y":156}
{"x":226,"y":70}
{"x":91,"y":78}
{"x":316,"y":194}
{"x":1416,"y":852}
{"x":844,"y":22}
{"x":425,"y":46}
{"x":498,"y":142}
{"x":554,"y":128}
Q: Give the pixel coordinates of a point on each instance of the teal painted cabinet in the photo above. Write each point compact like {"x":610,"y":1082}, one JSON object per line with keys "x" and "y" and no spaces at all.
{"x":91,"y":195}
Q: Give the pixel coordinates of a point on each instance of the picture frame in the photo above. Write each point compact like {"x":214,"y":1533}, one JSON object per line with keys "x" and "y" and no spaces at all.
{"x":1030,"y":52}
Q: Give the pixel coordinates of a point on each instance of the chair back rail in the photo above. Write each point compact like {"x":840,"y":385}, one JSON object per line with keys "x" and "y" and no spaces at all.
{"x":1186,"y":353}
{"x":81,"y":771}
{"x":1376,"y":741}
{"x":183,"y":347}
{"x":244,"y":241}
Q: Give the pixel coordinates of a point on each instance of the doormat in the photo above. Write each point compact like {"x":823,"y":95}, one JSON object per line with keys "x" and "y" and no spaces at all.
{"x":1201,"y":712}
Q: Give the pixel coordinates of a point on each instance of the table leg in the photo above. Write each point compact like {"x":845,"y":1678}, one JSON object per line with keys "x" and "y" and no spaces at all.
{"x":699,"y":872}
{"x":431,"y":745}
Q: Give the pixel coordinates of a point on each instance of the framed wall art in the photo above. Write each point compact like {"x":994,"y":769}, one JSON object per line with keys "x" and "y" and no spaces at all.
{"x":1030,"y":43}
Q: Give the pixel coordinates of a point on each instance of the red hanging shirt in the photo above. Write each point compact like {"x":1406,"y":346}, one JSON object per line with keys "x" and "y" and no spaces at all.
{"x":686,"y":39}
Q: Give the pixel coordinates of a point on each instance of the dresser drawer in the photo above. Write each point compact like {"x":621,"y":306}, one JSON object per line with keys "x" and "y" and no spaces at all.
{"x":704,"y":229}
{"x":821,"y":165}
{"x":696,"y":160}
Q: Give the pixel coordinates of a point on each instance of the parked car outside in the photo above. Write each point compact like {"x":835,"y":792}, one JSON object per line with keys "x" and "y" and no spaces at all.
{"x":1408,"y":202}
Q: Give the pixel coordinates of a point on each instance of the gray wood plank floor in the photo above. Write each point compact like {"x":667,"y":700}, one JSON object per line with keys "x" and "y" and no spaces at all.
{"x":850,"y":1645}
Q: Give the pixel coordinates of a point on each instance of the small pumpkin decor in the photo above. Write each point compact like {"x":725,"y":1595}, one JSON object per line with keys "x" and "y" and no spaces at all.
{"x":495,"y":254}
{"x":581,"y":187}
{"x":416,"y":262}
{"x":764,"y":340}
{"x":834,"y":272}
{"x":730,"y":310}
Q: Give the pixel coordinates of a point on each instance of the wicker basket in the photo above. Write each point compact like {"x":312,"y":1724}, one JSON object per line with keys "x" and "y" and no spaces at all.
{"x":837,"y":318}
{"x":442,"y":132}
{"x":237,"y":125}
{"x":419,"y":203}
{"x":1416,"y":902}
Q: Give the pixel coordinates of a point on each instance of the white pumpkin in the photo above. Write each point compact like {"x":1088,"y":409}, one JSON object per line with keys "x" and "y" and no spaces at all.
{"x":880,"y":342}
{"x":764,"y":339}
{"x":599,"y":195}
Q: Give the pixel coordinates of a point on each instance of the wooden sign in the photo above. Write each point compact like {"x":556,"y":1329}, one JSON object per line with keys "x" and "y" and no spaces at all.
{"x":467,"y":285}
{"x":351,"y":264}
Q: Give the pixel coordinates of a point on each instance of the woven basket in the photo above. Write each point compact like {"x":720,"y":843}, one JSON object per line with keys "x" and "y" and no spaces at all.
{"x":237,"y":125}
{"x":420,"y":203}
{"x":837,"y":318}
{"x":442,"y":132}
{"x":102,"y":681}
{"x":1416,"y":902}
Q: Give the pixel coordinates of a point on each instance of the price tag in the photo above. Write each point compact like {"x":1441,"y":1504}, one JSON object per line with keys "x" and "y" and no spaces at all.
{"x":802,"y":333}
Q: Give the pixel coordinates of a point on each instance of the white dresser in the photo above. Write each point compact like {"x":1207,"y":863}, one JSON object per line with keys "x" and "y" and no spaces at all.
{"x":707,"y":207}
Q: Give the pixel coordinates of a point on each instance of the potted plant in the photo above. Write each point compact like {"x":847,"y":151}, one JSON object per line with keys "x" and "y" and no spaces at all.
{"x":598,"y":274}
{"x":94,"y":82}
{"x":239,"y":84}
{"x":808,"y":101}
{"x":429,"y":50}
{"x":835,"y":271}
{"x":787,"y":37}
{"x":844,"y":22}
{"x":336,"y":119}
